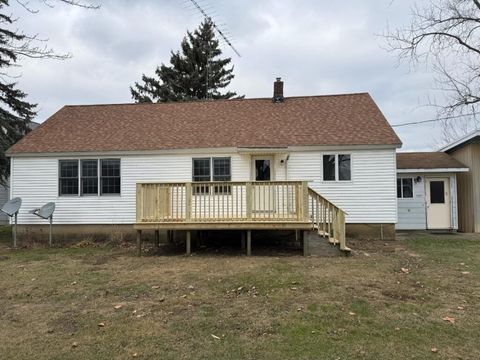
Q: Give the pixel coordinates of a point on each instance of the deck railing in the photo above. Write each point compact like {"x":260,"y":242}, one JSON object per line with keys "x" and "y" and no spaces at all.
{"x":240,"y":202}
{"x":328,"y":219}
{"x":264,"y":201}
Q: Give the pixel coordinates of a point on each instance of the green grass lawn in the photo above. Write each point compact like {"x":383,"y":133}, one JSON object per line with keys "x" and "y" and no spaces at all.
{"x":234,"y":307}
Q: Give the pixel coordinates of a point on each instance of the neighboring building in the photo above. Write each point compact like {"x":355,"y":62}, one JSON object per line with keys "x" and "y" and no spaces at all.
{"x":4,"y":195}
{"x":5,"y":190}
{"x":427,"y":190}
{"x":467,"y":150}
{"x":97,"y":162}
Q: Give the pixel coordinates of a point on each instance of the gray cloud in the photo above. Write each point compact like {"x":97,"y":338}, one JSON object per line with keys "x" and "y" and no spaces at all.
{"x":318,"y":47}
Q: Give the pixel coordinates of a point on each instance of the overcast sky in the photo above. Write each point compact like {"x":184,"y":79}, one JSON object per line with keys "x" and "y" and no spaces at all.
{"x":316,"y":46}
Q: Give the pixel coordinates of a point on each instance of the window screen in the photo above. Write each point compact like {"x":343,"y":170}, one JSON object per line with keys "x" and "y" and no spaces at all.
{"x":110,"y":176}
{"x":329,"y":167}
{"x":89,"y":183}
{"x":201,"y":169}
{"x":344,"y":171}
{"x":437,"y":192}
{"x":68,"y":180}
{"x":221,"y":169}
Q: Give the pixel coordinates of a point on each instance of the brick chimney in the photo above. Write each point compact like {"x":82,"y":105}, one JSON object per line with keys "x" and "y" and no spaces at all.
{"x":278,"y":90}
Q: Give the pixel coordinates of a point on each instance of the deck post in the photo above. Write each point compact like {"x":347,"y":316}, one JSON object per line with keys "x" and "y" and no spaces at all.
{"x":157,"y":239}
{"x":297,"y":236}
{"x":139,"y":242}
{"x":249,"y":200}
{"x":306,"y":250}
{"x":243,"y":242}
{"x":305,"y":206}
{"x":189,"y":241}
{"x":249,"y":242}
{"x":188,"y":202}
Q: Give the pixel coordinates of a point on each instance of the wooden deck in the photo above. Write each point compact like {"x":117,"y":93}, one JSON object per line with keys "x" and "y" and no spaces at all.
{"x":250,"y":205}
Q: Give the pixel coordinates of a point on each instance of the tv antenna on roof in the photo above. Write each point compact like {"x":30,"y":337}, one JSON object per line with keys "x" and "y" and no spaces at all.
{"x":218,"y":28}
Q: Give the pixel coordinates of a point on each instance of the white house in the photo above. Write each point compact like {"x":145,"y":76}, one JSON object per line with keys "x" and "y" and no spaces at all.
{"x":427,"y":191}
{"x":98,"y":163}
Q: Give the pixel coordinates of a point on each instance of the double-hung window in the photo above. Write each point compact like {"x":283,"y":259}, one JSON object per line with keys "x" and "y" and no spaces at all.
{"x":337,"y":167}
{"x":68,"y":177}
{"x":211,"y":169}
{"x":89,"y":177}
{"x":404,"y":188}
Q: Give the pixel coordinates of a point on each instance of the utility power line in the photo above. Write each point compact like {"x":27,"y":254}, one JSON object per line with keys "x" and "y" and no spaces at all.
{"x":434,"y":120}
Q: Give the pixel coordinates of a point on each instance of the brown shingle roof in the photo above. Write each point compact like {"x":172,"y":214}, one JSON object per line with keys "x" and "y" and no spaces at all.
{"x":352,"y":119}
{"x":427,"y":160}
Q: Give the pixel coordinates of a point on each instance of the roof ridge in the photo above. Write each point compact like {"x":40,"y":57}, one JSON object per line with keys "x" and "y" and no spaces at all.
{"x":219,"y":100}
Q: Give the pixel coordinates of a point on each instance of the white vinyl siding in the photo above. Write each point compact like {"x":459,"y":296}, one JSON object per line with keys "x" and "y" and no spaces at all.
{"x":412,"y":212}
{"x":370,"y":195}
{"x":36,"y":182}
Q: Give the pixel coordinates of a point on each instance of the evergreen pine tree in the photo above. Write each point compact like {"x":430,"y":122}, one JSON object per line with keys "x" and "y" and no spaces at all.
{"x":15,"y":112}
{"x":195,"y":73}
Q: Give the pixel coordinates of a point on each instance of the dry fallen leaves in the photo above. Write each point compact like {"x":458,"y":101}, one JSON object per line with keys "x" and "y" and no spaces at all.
{"x":117,"y":307}
{"x":155,"y":287}
{"x":404,"y":270}
{"x":465,"y":272}
{"x":449,"y":319}
{"x":434,"y":350}
{"x":102,"y":324}
{"x":215,"y":337}
{"x":351,"y":313}
{"x":74,"y":344}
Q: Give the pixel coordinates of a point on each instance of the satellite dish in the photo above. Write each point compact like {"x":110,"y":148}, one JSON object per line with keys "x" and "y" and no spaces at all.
{"x":12,"y":206}
{"x":46,"y":211}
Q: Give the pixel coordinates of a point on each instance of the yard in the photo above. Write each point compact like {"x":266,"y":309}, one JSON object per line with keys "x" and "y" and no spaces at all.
{"x":413,"y":298}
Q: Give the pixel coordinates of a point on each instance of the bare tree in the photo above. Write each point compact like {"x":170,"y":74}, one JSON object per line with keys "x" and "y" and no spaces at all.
{"x":445,"y":34}
{"x":16,"y":112}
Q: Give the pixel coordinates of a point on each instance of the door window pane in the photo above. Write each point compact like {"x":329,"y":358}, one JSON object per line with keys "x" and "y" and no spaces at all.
{"x":344,"y":171}
{"x":262,"y":170}
{"x":437,"y":192}
{"x":329,"y":167}
{"x":407,"y":187}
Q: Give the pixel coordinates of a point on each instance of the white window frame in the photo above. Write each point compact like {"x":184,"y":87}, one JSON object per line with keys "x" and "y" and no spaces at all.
{"x":79,"y":165}
{"x":401,"y":187}
{"x":337,"y":168}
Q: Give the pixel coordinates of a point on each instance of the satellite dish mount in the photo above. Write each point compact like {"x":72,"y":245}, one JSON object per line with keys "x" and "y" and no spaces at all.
{"x":46,"y":212}
{"x":11,"y":209}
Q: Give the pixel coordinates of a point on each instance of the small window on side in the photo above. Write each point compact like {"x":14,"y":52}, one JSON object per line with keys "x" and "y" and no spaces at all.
{"x":89,"y":181}
{"x":328,"y":167}
{"x":404,"y":188}
{"x":344,"y":168}
{"x":110,"y":176}
{"x":68,"y":179}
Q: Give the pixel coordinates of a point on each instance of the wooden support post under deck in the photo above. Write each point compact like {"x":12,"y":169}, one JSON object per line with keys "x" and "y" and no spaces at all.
{"x":157,"y":239}
{"x":306,"y":250}
{"x":189,"y":241}
{"x":139,"y":242}
{"x":249,"y":242}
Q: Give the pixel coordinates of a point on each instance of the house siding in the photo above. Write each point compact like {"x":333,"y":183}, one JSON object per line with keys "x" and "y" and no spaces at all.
{"x":369,"y":198}
{"x":469,"y":188}
{"x":412,"y":212}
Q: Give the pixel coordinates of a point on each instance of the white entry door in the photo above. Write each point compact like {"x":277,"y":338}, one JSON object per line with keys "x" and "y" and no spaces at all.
{"x":263,"y":192}
{"x":438,"y":203}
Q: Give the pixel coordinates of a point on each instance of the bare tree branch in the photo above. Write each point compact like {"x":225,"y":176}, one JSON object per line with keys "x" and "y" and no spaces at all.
{"x":445,"y":34}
